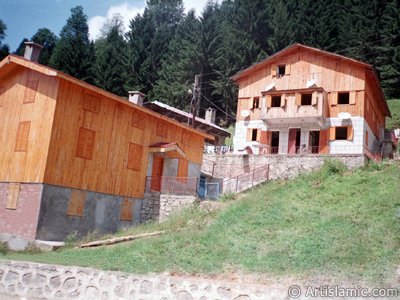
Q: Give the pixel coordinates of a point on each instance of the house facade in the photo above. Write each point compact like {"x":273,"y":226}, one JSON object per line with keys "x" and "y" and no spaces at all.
{"x":303,"y":100}
{"x":75,"y":158}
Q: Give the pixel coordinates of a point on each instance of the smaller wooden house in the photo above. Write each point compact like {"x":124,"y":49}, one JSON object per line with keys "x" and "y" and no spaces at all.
{"x":75,"y":158}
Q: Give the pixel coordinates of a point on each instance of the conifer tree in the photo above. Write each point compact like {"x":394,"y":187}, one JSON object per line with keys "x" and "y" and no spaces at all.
{"x":4,"y":49}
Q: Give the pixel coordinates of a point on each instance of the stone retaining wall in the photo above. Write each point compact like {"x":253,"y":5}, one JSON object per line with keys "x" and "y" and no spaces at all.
{"x":158,"y":206}
{"x":42,"y":281}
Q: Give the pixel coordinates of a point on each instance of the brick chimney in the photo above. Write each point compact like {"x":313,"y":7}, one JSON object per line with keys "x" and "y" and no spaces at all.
{"x":32,"y":51}
{"x":210,"y":115}
{"x":136,"y":97}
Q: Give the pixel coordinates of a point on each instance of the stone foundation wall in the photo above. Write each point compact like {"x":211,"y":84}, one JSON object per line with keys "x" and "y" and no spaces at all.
{"x":281,"y":166}
{"x":41,"y":281}
{"x":158,"y":206}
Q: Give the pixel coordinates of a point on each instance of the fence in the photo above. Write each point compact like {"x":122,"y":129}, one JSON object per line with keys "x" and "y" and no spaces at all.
{"x":172,"y":185}
{"x":247,"y":180}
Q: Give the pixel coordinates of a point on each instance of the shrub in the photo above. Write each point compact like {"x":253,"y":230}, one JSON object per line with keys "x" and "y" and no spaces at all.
{"x":71,"y":239}
{"x":4,"y":248}
{"x":333,"y":167}
{"x":227,"y":197}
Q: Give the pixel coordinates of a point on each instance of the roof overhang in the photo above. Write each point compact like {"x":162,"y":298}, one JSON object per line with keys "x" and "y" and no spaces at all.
{"x":171,"y":150}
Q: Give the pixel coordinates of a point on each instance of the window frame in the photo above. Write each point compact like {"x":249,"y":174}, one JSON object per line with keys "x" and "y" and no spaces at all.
{"x":340,"y":97}
{"x":276,"y":98}
{"x":306,"y":99}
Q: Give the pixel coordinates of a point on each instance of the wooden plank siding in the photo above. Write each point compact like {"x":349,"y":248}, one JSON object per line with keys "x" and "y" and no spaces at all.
{"x":111,"y":168}
{"x":26,"y":115}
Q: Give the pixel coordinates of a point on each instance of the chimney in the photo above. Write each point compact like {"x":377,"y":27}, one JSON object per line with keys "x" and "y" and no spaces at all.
{"x":136,"y":97}
{"x":210,"y":115}
{"x":32,"y":51}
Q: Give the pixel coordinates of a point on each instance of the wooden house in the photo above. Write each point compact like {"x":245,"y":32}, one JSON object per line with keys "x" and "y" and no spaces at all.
{"x":74,"y":157}
{"x":308,"y":101}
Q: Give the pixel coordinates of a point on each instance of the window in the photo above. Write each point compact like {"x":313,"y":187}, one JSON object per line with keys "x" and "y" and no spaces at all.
{"x":138,"y":120}
{"x":21,"y":143}
{"x":182,"y":170}
{"x":366,"y":138}
{"x":306,"y":99}
{"x":126,"y":210}
{"x":85,"y":145}
{"x":344,"y":98}
{"x":30,"y":91}
{"x":254,"y":135}
{"x":13,"y":195}
{"x":280,"y":70}
{"x":162,"y":129}
{"x":186,"y":138}
{"x":91,"y":103}
{"x":135,"y":157}
{"x":341,"y":133}
{"x":276,"y":101}
{"x":76,"y":203}
{"x":256,"y":102}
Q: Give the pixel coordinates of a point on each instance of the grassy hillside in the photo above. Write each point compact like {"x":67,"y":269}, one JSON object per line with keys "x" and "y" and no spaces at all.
{"x":394,"y":122}
{"x":329,"y":225}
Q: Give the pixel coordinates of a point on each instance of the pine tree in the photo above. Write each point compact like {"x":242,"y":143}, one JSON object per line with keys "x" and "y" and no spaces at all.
{"x":48,"y":40}
{"x":74,"y":53}
{"x":111,"y":58}
{"x":4,"y":49}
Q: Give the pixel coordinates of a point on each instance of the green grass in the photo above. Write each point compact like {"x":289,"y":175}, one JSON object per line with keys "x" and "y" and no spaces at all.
{"x":394,"y":122}
{"x":332,"y":224}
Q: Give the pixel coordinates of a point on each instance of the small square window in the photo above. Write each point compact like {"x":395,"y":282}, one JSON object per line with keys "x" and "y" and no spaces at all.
{"x":341,"y":133}
{"x":280,"y":70}
{"x":254,"y":135}
{"x":306,"y":99}
{"x":276,"y":101}
{"x":344,"y":98}
{"x":256,"y":102}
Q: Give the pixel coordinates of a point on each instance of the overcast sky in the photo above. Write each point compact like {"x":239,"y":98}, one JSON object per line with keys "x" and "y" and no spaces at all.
{"x":24,"y":17}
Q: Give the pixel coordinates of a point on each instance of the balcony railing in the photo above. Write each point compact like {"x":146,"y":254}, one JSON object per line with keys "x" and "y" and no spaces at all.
{"x":172,"y":185}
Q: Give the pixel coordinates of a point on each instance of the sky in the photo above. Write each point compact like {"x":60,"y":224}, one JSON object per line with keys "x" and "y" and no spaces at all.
{"x":24,"y":17}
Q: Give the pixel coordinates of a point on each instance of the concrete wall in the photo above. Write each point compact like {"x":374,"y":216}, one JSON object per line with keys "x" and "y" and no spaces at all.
{"x":101,"y":213}
{"x":19,"y":225}
{"x":40,"y":281}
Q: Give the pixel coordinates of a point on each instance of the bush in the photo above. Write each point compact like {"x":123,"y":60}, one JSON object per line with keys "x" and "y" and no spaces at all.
{"x":4,"y":248}
{"x":333,"y":167}
{"x":227,"y":197}
{"x":71,"y":239}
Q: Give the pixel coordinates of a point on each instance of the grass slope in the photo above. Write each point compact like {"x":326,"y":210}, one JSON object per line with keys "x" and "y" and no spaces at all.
{"x":328,"y":224}
{"x":394,"y":106}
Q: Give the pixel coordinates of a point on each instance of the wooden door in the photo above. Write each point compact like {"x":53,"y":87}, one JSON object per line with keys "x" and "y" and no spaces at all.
{"x":157,"y":171}
{"x":292,"y":141}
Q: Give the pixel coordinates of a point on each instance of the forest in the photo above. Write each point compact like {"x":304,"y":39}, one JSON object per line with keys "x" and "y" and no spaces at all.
{"x":165,"y":47}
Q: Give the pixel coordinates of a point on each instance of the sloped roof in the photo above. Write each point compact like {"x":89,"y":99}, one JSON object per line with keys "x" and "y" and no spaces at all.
{"x":298,"y":46}
{"x":8,"y":65}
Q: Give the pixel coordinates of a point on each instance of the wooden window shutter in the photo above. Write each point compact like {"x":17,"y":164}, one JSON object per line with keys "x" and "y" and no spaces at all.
{"x":21,"y":143}
{"x":91,"y":103}
{"x":30,"y":91}
{"x":249,"y":134}
{"x":352,"y":99}
{"x":264,"y":137}
{"x":126,"y":210}
{"x":334,"y":98}
{"x":135,"y":157}
{"x":258,"y":135}
{"x":13,"y":195}
{"x":298,"y":99}
{"x":323,"y":141}
{"x":182,"y":170}
{"x":186,"y":138}
{"x":76,"y":203}
{"x":85,"y":144}
{"x":366,"y":138}
{"x":269,"y":101}
{"x":273,"y":70}
{"x":162,"y":129}
{"x":332,"y":133}
{"x":283,"y":100}
{"x":314,"y":98}
{"x":350,"y":133}
{"x":138,"y":120}
{"x":287,"y":69}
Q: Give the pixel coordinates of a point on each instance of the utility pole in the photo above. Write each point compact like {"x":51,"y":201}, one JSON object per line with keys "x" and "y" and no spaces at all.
{"x":196,"y":98}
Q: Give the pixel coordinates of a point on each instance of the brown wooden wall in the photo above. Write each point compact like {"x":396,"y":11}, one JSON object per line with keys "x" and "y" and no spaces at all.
{"x":95,"y":140}
{"x":27,"y":104}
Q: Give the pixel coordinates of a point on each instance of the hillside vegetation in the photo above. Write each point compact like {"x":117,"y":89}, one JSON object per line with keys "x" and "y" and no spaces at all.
{"x":329,"y":225}
{"x":394,"y":122}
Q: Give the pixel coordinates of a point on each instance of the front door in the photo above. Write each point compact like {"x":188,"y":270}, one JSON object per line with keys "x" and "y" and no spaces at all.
{"x":294,"y":140}
{"x":157,"y":171}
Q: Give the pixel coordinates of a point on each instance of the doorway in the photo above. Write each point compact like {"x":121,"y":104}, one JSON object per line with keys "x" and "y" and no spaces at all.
{"x":274,"y":142}
{"x":313,"y":141}
{"x":294,"y":140}
{"x":157,"y":172}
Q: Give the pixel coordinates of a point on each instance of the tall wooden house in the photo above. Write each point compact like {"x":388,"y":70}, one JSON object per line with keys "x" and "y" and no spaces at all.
{"x":74,"y":157}
{"x":304,"y":100}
